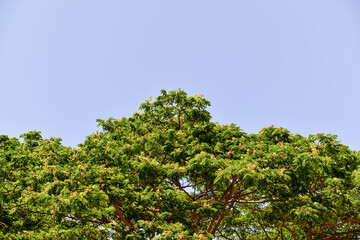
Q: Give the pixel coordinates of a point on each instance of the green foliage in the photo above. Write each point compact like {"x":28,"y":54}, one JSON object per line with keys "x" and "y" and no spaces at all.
{"x":170,"y":173}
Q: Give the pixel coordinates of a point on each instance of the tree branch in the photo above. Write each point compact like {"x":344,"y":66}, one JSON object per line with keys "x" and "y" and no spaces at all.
{"x":121,"y":216}
{"x":337,"y":235}
{"x":291,"y":231}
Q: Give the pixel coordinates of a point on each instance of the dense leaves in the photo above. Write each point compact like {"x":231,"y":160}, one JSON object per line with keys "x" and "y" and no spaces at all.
{"x":170,"y":173}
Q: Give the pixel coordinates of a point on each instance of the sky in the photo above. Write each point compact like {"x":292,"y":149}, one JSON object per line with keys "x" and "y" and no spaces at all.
{"x":293,"y":64}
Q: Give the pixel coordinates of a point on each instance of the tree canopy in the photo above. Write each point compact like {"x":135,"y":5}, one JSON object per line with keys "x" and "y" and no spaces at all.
{"x":168,"y":172}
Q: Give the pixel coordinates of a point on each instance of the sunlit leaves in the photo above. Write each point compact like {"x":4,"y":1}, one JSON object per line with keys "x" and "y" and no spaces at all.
{"x":168,"y":172}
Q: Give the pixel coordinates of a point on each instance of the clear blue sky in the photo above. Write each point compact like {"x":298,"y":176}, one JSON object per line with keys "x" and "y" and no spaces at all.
{"x":294,"y":64}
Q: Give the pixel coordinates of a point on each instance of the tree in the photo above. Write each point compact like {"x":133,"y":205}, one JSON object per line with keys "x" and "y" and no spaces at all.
{"x":170,"y":173}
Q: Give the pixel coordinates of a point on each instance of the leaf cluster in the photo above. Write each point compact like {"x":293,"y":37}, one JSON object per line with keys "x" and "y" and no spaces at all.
{"x":168,"y":172}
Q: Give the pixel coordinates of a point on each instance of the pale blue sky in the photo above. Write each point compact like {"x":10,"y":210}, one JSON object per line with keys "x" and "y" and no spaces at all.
{"x":294,"y":64}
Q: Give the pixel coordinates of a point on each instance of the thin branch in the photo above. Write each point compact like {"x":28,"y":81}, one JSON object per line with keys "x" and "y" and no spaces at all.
{"x":211,"y":188}
{"x":177,"y":184}
{"x":263,"y":228}
{"x":259,"y":201}
{"x":291,"y":231}
{"x":121,"y":216}
{"x":341,"y":223}
{"x":4,"y":224}
{"x":337,"y":235}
